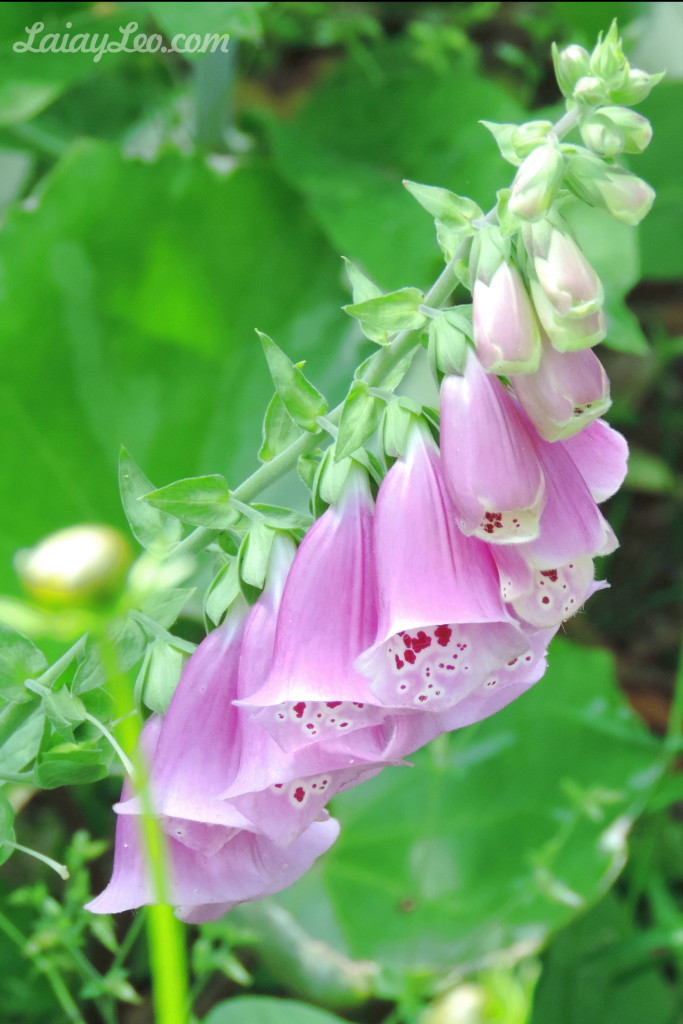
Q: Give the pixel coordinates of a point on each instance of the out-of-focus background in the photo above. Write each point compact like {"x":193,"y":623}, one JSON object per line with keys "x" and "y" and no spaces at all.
{"x":155,"y":209}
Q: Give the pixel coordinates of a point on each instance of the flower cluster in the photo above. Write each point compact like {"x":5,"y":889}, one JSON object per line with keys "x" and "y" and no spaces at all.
{"x":424,"y":598}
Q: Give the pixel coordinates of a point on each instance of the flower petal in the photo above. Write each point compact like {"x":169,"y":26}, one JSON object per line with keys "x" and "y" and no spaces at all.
{"x":601,"y":456}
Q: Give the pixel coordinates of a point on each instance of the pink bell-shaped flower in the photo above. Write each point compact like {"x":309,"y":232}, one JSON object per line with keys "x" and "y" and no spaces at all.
{"x":204,"y":885}
{"x":442,"y":624}
{"x":568,"y":391}
{"x":490,"y":458}
{"x":327,"y":617}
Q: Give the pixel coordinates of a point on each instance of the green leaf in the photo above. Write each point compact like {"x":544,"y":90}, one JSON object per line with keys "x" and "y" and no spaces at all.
{"x":150,"y":343}
{"x":200,"y":500}
{"x":396,"y":311}
{"x":601,"y":969}
{"x":405,"y":120}
{"x":69,"y":765}
{"x":267,"y":1010}
{"x":241,"y":20}
{"x":155,"y":530}
{"x":31,"y":81}
{"x":301,"y":399}
{"x":21,"y":732}
{"x":660,"y":165}
{"x":20,"y":659}
{"x":359,"y":419}
{"x":502,"y":832}
{"x":279,"y":430}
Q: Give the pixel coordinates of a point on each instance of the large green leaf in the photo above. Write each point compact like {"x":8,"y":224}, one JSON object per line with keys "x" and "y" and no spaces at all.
{"x":266,"y":1010}
{"x":601,"y":970}
{"x":131,"y":294}
{"x":662,"y":165}
{"x":369,"y":126}
{"x":502,"y":832}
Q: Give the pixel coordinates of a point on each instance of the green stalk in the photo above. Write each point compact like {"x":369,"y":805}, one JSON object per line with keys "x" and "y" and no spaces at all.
{"x":165,"y":933}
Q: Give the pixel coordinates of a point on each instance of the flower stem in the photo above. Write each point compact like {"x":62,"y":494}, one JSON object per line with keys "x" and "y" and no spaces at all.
{"x":165,"y":933}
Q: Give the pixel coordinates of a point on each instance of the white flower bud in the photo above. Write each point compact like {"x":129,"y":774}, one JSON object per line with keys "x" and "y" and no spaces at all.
{"x":537,"y":182}
{"x":79,"y":565}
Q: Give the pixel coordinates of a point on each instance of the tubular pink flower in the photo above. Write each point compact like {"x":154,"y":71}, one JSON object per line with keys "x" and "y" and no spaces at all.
{"x":205,"y":886}
{"x":442,"y":625}
{"x":282,"y":792}
{"x":568,"y":391}
{"x":196,"y":744}
{"x":490,"y":458}
{"x":327,"y":617}
{"x":506,"y":332}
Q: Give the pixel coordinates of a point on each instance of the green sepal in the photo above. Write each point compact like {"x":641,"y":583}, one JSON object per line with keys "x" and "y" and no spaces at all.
{"x":359,"y":419}
{"x":279,"y":430}
{"x":307,"y":467}
{"x":223,"y":590}
{"x":516,"y":141}
{"x":200,"y":500}
{"x":362,"y":289}
{"x":164,"y":606}
{"x":160,"y":673}
{"x":282,"y":518}
{"x":449,"y":335}
{"x":154,"y":529}
{"x":301,"y":399}
{"x":390,"y":380}
{"x":253,"y":560}
{"x":395,"y":311}
{"x":445,"y":206}
{"x":399,"y":418}
{"x":508,"y":223}
{"x":63,"y":710}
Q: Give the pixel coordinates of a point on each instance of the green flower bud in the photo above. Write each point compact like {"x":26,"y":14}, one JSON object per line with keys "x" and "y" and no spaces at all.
{"x":602,"y":136}
{"x":537,"y":182}
{"x":571,"y":64}
{"x":81,"y":565}
{"x":635,"y":129}
{"x":636,"y":87}
{"x":625,"y":196}
{"x":590,"y":90}
{"x":607,"y":59}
